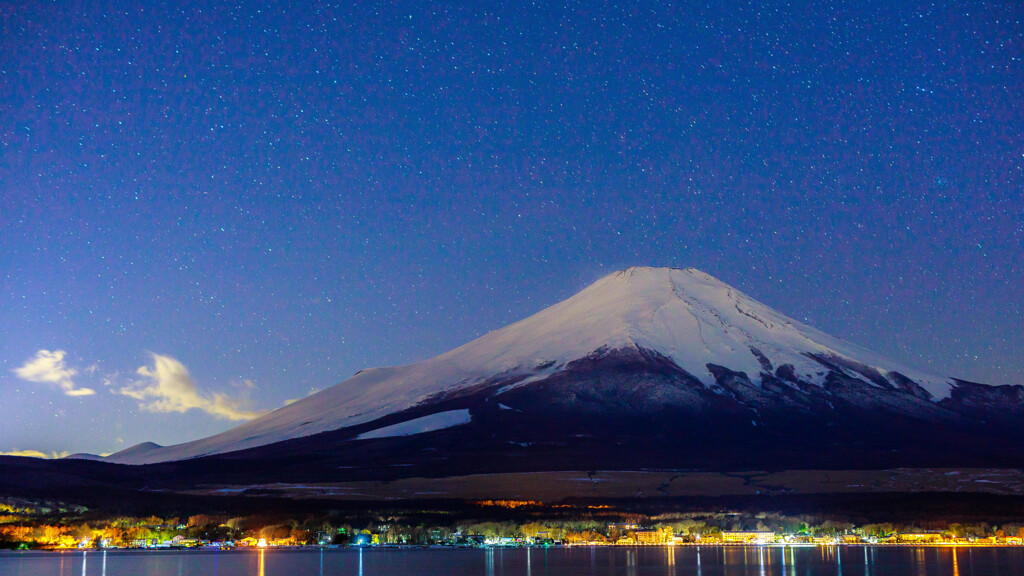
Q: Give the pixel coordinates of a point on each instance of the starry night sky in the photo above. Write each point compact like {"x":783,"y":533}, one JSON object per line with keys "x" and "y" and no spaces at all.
{"x":208,"y":209}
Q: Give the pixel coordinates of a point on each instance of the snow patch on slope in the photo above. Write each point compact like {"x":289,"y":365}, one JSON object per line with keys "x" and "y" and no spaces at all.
{"x":430,"y":423}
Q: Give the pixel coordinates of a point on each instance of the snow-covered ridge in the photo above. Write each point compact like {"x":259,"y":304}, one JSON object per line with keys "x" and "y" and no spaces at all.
{"x":686,"y":315}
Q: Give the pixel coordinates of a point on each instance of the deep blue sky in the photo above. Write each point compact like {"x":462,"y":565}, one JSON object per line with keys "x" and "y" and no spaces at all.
{"x":275,"y":196}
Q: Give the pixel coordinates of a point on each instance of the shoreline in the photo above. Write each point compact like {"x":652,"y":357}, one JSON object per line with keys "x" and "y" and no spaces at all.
{"x":523,"y":547}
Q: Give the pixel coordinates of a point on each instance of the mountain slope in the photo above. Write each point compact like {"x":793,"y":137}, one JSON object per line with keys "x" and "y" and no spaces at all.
{"x":634,"y":343}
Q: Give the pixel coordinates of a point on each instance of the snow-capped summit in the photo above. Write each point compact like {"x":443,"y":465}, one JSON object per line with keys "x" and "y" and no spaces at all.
{"x":715,"y":337}
{"x":687,"y":315}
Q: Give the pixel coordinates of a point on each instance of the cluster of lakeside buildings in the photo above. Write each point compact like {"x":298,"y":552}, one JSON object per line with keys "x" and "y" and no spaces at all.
{"x":617,"y":535}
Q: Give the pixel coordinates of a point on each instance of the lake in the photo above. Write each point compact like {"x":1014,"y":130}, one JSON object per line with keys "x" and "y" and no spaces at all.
{"x":581,"y":561}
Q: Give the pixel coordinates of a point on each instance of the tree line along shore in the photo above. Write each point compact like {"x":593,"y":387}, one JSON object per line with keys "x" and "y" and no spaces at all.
{"x":43,"y":525}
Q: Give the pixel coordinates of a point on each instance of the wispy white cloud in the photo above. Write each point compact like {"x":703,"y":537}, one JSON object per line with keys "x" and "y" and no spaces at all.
{"x":49,"y":367}
{"x":35,"y":454}
{"x":166,"y":386}
{"x":110,"y":380}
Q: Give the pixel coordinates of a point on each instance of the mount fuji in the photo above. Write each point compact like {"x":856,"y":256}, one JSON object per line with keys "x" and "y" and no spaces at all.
{"x":646,"y":368}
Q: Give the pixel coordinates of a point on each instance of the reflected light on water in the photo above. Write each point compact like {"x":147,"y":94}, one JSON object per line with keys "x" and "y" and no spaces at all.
{"x":723,"y":557}
{"x":621,"y":561}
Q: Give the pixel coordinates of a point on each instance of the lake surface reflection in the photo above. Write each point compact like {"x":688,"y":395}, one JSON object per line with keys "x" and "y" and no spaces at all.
{"x":598,"y":561}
